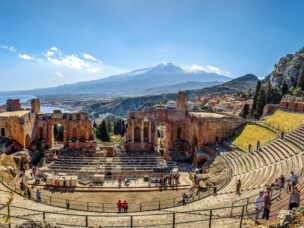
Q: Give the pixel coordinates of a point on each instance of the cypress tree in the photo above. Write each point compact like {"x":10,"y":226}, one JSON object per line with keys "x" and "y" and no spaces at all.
{"x":102,"y":132}
{"x":94,"y":125}
{"x":284,"y":88}
{"x":261,"y":102}
{"x":255,"y":98}
{"x":269,"y":93}
{"x":245,"y":111}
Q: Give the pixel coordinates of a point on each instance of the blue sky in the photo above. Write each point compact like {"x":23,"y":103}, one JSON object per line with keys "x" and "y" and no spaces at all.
{"x":48,"y":43}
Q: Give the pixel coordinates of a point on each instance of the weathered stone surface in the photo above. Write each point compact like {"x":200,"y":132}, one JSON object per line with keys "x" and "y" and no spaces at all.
{"x":288,"y":69}
{"x":286,"y":217}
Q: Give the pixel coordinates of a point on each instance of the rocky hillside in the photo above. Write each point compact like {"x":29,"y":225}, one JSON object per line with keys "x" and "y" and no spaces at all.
{"x":289,"y":68}
{"x":239,"y":84}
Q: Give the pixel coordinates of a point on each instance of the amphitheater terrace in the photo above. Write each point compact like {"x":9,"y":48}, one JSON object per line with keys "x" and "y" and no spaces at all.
{"x":167,"y":156}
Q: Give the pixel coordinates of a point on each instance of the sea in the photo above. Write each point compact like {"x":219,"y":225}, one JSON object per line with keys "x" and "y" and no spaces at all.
{"x":25,"y":98}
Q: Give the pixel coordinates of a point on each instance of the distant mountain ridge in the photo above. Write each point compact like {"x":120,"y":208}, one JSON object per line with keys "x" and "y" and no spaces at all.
{"x":122,"y":106}
{"x":136,"y":83}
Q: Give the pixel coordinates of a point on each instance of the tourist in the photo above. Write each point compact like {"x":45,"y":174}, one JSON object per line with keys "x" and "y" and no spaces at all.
{"x":294,"y":199}
{"x":28,"y":192}
{"x":170,"y":180}
{"x":37,"y":180}
{"x":249,"y":148}
{"x":258,"y":145}
{"x":238,"y":187}
{"x":119,"y":206}
{"x":38,"y":195}
{"x":214,"y":188}
{"x":293,"y":178}
{"x":282,"y":134}
{"x":277,"y":183}
{"x":125,"y":207}
{"x":258,"y":205}
{"x":119,"y":181}
{"x":161,"y":182}
{"x":184,"y":199}
{"x":267,"y":204}
{"x":282,"y":178}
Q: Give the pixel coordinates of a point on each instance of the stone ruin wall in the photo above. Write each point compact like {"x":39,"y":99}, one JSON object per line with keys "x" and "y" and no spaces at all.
{"x":77,"y":130}
{"x":19,"y":128}
{"x":180,"y":125}
{"x":36,"y":130}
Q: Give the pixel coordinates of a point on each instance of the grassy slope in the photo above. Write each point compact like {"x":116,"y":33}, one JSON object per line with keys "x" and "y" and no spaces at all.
{"x":285,"y":121}
{"x":251,"y":134}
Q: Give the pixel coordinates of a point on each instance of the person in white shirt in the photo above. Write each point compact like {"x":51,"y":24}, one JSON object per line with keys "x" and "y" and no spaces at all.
{"x":258,"y":205}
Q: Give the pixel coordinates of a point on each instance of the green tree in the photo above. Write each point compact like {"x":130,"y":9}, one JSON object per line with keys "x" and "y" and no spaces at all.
{"x":261,"y":102}
{"x":102,"y":132}
{"x":256,"y":95}
{"x":297,"y":92}
{"x":94,"y":125}
{"x":284,"y":88}
{"x":300,"y":82}
{"x":269,"y":93}
{"x":276,"y":96}
{"x":245,"y":111}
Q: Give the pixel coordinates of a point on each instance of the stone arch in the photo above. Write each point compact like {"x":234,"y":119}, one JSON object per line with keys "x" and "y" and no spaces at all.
{"x":40,"y":133}
{"x":137,"y":134}
{"x":27,"y":142}
{"x":74,"y":133}
{"x":179,"y":133}
{"x":2,"y":132}
{"x":58,"y":133}
{"x":146,"y":134}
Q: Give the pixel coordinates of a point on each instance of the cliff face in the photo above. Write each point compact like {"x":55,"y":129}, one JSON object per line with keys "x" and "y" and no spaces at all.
{"x":289,"y":69}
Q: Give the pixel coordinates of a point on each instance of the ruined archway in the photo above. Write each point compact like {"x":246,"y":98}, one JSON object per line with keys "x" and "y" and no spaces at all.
{"x":2,"y":133}
{"x":40,"y":133}
{"x":137,"y":134}
{"x":57,"y":135}
{"x":74,"y":135}
{"x":146,"y":134}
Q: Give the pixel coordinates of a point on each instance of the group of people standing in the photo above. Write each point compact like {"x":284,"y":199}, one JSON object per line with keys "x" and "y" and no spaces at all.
{"x":122,"y":206}
{"x":171,"y":180}
{"x":262,"y":202}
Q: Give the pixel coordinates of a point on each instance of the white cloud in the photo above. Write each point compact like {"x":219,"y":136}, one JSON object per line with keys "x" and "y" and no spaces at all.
{"x":55,"y":56}
{"x":88,"y":56}
{"x":9,"y":48}
{"x":54,"y":49}
{"x":209,"y":69}
{"x":194,"y":68}
{"x":213,"y":69}
{"x":25,"y":56}
{"x":60,"y":75}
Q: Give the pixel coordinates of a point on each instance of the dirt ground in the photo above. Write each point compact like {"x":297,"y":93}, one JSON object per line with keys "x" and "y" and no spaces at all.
{"x":113,"y":197}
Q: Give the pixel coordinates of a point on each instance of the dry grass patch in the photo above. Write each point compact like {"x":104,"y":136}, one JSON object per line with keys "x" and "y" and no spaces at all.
{"x":285,"y":121}
{"x":251,"y":134}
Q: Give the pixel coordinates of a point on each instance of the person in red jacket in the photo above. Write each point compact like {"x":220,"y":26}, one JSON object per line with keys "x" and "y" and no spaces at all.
{"x":125,"y":206}
{"x":119,"y":206}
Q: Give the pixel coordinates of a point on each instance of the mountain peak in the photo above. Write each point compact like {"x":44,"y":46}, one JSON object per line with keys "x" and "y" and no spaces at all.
{"x":165,"y":68}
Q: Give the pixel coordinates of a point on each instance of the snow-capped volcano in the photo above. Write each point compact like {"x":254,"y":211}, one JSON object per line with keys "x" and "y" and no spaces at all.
{"x":138,"y":81}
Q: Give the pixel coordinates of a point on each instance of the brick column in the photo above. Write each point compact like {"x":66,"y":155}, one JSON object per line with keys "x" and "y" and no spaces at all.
{"x":150,"y":132}
{"x":132,"y":131}
{"x":142,"y":131}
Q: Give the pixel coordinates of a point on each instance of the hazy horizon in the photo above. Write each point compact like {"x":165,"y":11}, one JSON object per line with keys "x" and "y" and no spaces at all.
{"x":63,"y":42}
